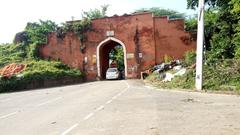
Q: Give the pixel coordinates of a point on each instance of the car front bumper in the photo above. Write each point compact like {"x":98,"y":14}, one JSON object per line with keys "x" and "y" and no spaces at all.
{"x":111,"y":76}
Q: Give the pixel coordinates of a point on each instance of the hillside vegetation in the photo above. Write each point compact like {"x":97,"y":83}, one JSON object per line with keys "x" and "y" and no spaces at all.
{"x":25,"y":50}
{"x":222,"y":75}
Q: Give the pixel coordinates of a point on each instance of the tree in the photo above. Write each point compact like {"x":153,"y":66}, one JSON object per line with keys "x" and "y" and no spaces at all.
{"x":235,"y":11}
{"x":191,"y":24}
{"x":236,"y":6}
{"x":222,"y":28}
{"x":192,"y":4}
{"x":38,"y":31}
{"x":210,"y":18}
{"x":117,"y":55}
{"x":162,"y":12}
{"x":96,"y":13}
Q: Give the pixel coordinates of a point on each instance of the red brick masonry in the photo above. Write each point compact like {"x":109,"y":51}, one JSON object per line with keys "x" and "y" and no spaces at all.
{"x":146,"y":40}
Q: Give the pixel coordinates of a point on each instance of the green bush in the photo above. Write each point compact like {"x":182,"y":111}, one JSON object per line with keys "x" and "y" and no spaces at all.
{"x":11,"y":53}
{"x":33,"y":51}
{"x":37,"y":71}
{"x":26,"y":50}
{"x":189,"y":58}
{"x":222,"y":73}
{"x":38,"y":31}
{"x":182,"y":82}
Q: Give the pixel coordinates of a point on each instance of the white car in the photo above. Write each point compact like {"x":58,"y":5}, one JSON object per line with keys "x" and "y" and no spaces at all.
{"x":112,"y":73}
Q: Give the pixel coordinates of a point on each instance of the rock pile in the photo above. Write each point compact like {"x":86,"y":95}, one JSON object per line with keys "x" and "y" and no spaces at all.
{"x":12,"y":69}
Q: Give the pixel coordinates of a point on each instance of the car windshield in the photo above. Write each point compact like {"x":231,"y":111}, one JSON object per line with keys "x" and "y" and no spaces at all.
{"x":112,"y":70}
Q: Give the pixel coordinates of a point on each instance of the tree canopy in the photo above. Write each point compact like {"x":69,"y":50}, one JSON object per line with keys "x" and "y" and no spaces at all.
{"x":192,"y":4}
{"x":96,"y":13}
{"x":162,"y":12}
{"x":222,"y":28}
{"x":117,"y":55}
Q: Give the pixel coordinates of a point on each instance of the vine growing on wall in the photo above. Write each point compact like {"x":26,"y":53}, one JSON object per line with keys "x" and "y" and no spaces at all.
{"x":34,"y":35}
{"x":63,"y":29}
{"x":79,"y":28}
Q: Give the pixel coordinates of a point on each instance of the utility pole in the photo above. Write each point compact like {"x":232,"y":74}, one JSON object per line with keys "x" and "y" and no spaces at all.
{"x":200,"y":38}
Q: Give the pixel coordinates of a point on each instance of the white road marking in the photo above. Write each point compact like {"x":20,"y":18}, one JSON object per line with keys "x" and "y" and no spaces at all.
{"x":49,"y":101}
{"x":128,"y":86}
{"x":119,"y":94}
{"x":88,"y":116}
{"x":114,"y":97}
{"x":100,"y":108}
{"x":149,"y":87}
{"x":10,"y":114}
{"x":109,"y":101}
{"x":70,"y":129}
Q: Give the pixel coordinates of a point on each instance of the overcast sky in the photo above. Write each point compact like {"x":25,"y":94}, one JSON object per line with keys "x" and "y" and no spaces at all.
{"x":15,"y":14}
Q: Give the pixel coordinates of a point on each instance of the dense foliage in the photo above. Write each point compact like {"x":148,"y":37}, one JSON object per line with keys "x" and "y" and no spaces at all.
{"x":222,"y":28}
{"x":221,"y":70}
{"x":117,"y":55}
{"x":37,"y":71}
{"x":38,"y":31}
{"x":25,"y":50}
{"x":96,"y":13}
{"x":191,"y":24}
{"x":221,"y":75}
{"x":12,"y":53}
{"x":162,"y":12}
{"x":82,"y":26}
{"x":189,"y":58}
{"x":212,"y":3}
{"x":49,"y":69}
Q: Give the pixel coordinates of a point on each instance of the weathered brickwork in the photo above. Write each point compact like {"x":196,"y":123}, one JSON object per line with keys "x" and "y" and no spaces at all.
{"x":146,"y":40}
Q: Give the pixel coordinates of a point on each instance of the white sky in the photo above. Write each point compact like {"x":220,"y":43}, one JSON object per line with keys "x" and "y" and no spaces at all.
{"x":15,"y":14}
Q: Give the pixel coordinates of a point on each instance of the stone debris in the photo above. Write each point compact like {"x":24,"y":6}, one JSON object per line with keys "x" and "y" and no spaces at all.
{"x":167,"y":71}
{"x":181,"y":72}
{"x":168,"y":77}
{"x":12,"y":69}
{"x":177,"y":68}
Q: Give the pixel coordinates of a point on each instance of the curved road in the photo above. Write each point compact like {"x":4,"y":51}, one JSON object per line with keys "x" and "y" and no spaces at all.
{"x":125,"y":107}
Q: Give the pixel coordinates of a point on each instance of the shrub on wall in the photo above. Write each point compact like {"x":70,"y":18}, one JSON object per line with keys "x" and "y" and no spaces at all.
{"x":81,"y":27}
{"x":38,"y":31}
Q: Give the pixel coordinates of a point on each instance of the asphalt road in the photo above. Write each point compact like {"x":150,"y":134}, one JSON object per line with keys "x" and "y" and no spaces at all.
{"x":125,"y":107}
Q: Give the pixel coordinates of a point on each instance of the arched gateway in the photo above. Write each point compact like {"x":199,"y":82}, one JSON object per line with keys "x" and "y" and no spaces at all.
{"x":145,"y":40}
{"x":102,"y":52}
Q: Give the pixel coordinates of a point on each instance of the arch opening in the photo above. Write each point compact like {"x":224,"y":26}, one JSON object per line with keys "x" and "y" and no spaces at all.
{"x":107,"y":51}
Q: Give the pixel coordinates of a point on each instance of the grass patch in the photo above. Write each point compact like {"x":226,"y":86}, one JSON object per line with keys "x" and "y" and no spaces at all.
{"x":223,"y":75}
{"x":182,"y":82}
